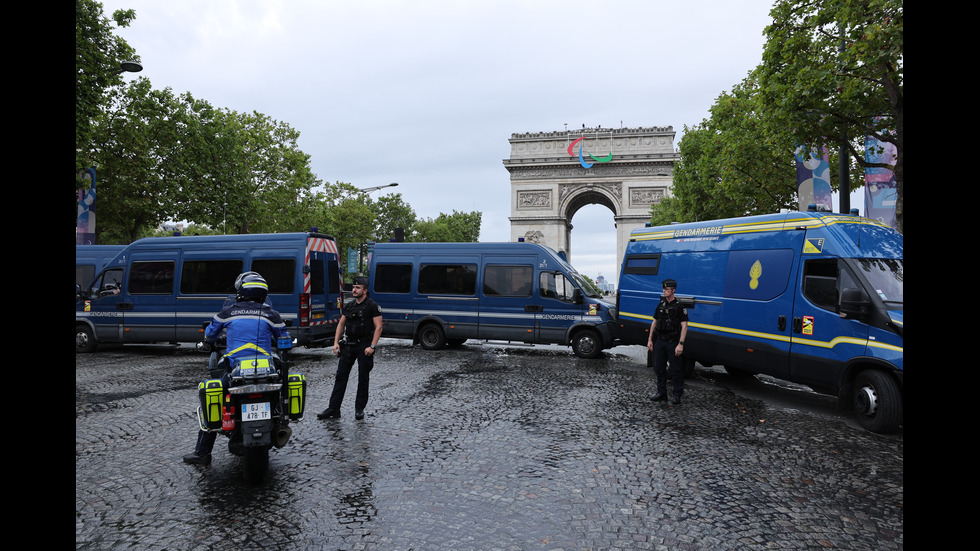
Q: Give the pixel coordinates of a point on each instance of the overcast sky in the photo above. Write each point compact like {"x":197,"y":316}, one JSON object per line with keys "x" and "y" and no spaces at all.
{"x":426,"y":93}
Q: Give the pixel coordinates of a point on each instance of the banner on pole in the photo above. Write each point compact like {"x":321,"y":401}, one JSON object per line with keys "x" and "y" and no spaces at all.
{"x":813,"y":179}
{"x":880,"y":191}
{"x":85,"y":221}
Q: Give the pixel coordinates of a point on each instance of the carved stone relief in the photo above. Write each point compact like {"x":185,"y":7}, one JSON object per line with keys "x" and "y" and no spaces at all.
{"x":536,"y":199}
{"x":643,"y":196}
{"x":533,"y":236}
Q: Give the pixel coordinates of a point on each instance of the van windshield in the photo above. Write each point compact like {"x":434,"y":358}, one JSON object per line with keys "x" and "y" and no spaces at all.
{"x":887,"y":278}
{"x":587,"y":288}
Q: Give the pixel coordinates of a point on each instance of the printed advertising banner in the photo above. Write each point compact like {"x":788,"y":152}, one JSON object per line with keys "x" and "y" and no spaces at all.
{"x":813,"y":179}
{"x":85,"y":222}
{"x":880,"y":192}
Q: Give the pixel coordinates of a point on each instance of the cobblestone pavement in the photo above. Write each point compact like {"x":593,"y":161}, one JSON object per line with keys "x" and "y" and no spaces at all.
{"x":482,"y":448}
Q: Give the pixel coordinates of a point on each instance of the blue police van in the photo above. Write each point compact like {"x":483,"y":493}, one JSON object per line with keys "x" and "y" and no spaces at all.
{"x":163,"y":289}
{"x":440,"y":294}
{"x":812,"y":298}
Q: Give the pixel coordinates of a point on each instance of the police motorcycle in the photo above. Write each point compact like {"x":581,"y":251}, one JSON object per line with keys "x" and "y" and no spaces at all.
{"x":251,"y":401}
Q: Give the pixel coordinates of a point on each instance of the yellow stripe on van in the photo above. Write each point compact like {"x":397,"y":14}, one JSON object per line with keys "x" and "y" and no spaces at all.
{"x":799,"y":340}
{"x":780,"y":338}
{"x":754,"y":227}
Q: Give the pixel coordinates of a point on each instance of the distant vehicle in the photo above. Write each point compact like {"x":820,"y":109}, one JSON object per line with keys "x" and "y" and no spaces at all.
{"x":813,"y":298}
{"x":442,"y":294}
{"x":89,"y":260}
{"x":162,"y":289}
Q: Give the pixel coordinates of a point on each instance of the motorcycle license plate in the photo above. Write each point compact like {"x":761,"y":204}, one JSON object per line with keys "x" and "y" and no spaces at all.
{"x":258,"y":411}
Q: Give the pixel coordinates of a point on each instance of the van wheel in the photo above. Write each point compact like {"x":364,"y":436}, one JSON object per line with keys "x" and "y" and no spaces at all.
{"x":587,"y":344}
{"x":877,"y":402}
{"x":432,"y":337}
{"x":84,"y":339}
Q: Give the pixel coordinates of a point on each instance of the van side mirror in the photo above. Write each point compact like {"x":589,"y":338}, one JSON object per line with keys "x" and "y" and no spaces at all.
{"x":854,"y":303}
{"x":577,"y":297}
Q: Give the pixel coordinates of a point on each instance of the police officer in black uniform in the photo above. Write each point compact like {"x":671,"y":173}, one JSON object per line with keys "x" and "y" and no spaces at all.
{"x":356,"y":340}
{"x":670,"y":328}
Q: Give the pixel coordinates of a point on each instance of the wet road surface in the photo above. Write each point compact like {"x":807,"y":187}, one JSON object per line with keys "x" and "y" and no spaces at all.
{"x":484,"y":447}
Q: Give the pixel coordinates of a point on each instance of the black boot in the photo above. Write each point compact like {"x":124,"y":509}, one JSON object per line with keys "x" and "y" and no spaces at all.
{"x":328,"y":413}
{"x":195,"y":459}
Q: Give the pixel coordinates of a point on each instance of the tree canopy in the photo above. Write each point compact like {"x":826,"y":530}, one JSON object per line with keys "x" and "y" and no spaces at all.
{"x":731,"y":165}
{"x":98,"y":53}
{"x":161,"y":156}
{"x":832,"y":73}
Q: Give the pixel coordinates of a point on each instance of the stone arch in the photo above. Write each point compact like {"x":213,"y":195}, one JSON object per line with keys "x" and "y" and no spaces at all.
{"x":551,"y":179}
{"x":577,"y":196}
{"x":573,"y":197}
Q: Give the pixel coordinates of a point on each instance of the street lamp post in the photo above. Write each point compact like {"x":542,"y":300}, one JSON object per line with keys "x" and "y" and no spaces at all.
{"x":128,"y":67}
{"x":376,"y":188}
{"x":360,"y":256}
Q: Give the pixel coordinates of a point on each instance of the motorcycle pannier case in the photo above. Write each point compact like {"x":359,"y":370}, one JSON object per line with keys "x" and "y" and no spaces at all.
{"x":297,"y":395}
{"x":212,"y":401}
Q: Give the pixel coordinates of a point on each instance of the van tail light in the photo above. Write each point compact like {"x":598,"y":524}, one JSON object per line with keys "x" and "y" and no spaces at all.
{"x":304,"y":310}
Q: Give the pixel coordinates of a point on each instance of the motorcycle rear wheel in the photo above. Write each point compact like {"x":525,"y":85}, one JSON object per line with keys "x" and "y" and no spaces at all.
{"x":256,"y":463}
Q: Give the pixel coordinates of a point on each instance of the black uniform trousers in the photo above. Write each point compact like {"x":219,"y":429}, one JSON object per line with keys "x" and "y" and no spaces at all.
{"x":668,"y":366}
{"x":350,"y":353}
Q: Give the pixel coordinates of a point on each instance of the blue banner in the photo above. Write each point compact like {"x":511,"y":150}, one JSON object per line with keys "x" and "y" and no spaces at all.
{"x":351,"y":260}
{"x":85,"y":222}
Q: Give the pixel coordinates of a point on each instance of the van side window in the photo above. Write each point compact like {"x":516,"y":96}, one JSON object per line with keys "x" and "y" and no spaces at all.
{"x":209,"y":276}
{"x":642,"y":264}
{"x":508,"y":281}
{"x":280,"y":274}
{"x":447,"y":279}
{"x":151,"y":278}
{"x":820,"y":282}
{"x":108,"y":284}
{"x":557,"y":286}
{"x":393,"y":278}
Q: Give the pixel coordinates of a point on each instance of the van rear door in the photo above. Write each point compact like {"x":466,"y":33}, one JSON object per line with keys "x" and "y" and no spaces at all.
{"x":321,"y":289}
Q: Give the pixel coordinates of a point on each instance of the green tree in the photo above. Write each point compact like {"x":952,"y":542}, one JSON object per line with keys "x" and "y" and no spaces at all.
{"x":458,"y":227}
{"x":343,"y":211}
{"x":732,"y":164}
{"x":98,"y":53}
{"x":390,"y":212}
{"x":243,"y":171}
{"x":136,"y":149}
{"x":832,"y":73}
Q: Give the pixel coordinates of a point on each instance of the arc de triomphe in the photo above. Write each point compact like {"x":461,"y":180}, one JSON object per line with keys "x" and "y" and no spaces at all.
{"x":553,"y":174}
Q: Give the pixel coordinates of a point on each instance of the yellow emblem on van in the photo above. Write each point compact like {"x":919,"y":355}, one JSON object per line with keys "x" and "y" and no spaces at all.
{"x":813,"y":246}
{"x":755,"y":272}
